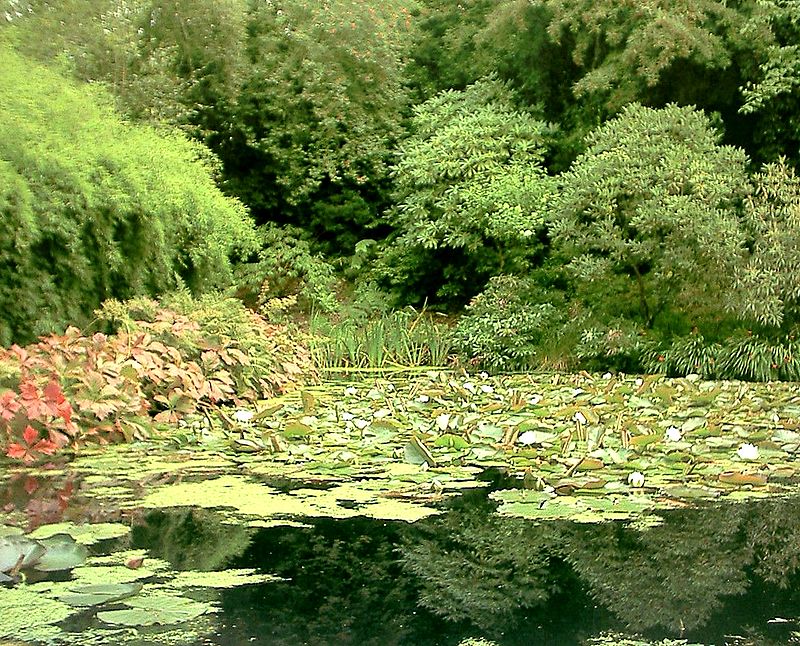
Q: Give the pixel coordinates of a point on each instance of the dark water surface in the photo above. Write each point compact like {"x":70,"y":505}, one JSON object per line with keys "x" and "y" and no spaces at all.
{"x":719,"y":575}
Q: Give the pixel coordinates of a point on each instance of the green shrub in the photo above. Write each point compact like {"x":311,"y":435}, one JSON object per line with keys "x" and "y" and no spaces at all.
{"x":611,"y":345}
{"x":503,"y":327}
{"x":284,"y":266}
{"x":471,"y":195}
{"x":92,"y":208}
{"x":746,"y":356}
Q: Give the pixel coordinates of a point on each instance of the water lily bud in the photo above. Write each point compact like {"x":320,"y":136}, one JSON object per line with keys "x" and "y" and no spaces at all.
{"x":468,"y":385}
{"x":748,"y":452}
{"x":423,"y":399}
{"x":607,"y":375}
{"x":243,"y":416}
{"x":350,"y":390}
{"x":579,"y":417}
{"x":485,"y":388}
{"x":673,"y":434}
{"x":639,"y":381}
{"x":442,"y":421}
{"x":636,"y":479}
{"x":535,"y":399}
{"x":360,"y":424}
{"x":527,"y":438}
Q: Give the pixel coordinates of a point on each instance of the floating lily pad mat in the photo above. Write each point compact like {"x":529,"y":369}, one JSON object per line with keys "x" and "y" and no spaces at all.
{"x":394,"y":448}
{"x":261,"y":501}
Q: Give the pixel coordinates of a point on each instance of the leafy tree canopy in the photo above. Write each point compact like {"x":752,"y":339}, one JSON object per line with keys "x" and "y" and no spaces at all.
{"x":470,"y":178}
{"x":93,"y":208}
{"x":651,"y":209}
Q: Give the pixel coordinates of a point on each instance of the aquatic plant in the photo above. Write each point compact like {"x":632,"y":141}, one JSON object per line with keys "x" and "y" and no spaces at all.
{"x":402,"y":339}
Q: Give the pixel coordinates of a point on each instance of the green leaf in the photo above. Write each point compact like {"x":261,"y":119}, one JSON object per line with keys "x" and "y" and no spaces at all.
{"x":150,"y":611}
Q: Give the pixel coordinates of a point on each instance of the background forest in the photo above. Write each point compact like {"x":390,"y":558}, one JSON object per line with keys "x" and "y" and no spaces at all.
{"x":600,"y":185}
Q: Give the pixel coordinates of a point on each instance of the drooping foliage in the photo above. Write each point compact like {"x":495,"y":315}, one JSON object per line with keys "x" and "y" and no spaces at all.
{"x":768,"y":284}
{"x":93,"y":208}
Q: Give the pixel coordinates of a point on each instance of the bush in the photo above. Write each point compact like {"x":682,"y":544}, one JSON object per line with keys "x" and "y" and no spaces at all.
{"x":284,"y":266}
{"x":504,"y":326}
{"x":746,"y":356}
{"x":159,"y":365}
{"x":92,"y":208}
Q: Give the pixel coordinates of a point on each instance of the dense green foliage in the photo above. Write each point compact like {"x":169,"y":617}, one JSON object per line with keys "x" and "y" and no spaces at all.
{"x":470,"y":193}
{"x":647,"y":216}
{"x":93,"y":208}
{"x":606,"y":185}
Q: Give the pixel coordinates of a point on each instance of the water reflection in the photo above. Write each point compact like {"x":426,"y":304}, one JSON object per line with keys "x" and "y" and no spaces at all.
{"x":700,"y":574}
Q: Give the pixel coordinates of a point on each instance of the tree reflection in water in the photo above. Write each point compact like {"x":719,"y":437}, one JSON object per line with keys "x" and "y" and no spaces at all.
{"x":700,"y":574}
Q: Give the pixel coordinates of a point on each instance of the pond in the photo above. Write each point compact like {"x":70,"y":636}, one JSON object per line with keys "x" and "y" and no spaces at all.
{"x":429,"y":522}
{"x":725,"y":574}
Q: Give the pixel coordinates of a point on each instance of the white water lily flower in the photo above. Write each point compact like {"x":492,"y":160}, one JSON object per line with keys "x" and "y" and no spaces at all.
{"x":607,"y":375}
{"x":776,"y":418}
{"x":243,"y":416}
{"x":527,"y":438}
{"x":535,"y":399}
{"x":579,"y":417}
{"x":673,"y":434}
{"x":639,"y":381}
{"x":381,"y":413}
{"x":423,"y":399}
{"x":748,"y":452}
{"x":636,"y":479}
{"x":486,"y":388}
{"x":360,"y":424}
{"x":347,"y":416}
{"x":351,"y":390}
{"x":468,"y":385}
{"x":483,"y":375}
{"x":577,"y":391}
{"x":443,"y":421}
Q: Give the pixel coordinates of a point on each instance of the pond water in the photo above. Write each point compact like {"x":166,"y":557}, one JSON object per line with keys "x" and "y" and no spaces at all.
{"x":723,"y":574}
{"x":439,"y":510}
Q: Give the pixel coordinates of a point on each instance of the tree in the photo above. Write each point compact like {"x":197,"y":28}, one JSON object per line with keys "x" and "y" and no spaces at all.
{"x":470,"y":189}
{"x":648,"y":215}
{"x":767,"y":284}
{"x":310,"y":135}
{"x":773,"y":93}
{"x":93,"y":208}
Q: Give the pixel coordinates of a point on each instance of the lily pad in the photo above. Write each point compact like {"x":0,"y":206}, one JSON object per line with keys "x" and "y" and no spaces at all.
{"x":19,"y":551}
{"x":156,"y":610}
{"x":100,"y":593}
{"x":62,"y":552}
{"x":87,"y":534}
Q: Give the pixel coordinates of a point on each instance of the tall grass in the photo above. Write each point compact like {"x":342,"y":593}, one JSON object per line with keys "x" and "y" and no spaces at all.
{"x":397,"y":340}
